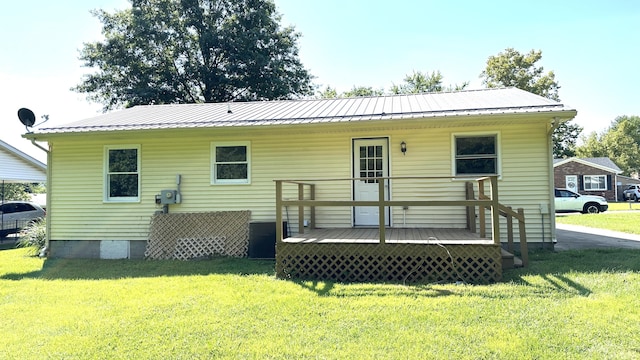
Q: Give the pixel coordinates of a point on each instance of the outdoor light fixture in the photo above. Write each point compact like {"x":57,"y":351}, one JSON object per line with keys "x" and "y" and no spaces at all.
{"x":403,"y":148}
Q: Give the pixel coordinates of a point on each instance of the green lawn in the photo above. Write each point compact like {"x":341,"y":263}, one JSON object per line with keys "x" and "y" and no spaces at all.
{"x":619,"y":221}
{"x":617,"y":206}
{"x":567,"y":305}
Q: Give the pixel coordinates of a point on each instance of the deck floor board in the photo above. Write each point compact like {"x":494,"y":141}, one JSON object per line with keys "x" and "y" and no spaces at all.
{"x":393,"y":235}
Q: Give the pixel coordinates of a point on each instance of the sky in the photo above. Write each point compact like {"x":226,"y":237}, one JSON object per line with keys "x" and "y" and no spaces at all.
{"x":593,"y":47}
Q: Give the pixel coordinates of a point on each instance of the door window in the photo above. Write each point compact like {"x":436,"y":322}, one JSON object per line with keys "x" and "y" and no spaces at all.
{"x":371,"y":163}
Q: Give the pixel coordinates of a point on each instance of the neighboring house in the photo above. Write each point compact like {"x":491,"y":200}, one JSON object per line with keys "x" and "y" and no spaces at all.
{"x":588,"y":176}
{"x":107,"y":171}
{"x":16,"y":166}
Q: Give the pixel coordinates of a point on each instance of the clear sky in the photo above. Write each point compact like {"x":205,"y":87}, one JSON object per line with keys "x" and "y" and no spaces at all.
{"x":592,"y":46}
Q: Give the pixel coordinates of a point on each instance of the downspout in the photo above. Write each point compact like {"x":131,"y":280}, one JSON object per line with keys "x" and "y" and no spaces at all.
{"x":44,"y":251}
{"x":552,"y":206}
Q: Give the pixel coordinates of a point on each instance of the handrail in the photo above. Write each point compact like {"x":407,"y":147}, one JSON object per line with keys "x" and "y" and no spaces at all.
{"x":483,"y":202}
{"x":491,"y":202}
{"x":508,"y":213}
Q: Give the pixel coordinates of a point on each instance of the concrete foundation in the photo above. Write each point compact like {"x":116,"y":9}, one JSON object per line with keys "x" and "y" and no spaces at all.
{"x":97,"y":249}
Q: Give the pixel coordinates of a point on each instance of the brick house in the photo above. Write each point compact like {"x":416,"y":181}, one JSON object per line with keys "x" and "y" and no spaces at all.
{"x":588,"y":176}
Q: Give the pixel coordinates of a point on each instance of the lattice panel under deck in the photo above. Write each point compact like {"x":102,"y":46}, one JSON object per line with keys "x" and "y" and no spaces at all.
{"x":187,"y":249}
{"x":389,"y":262}
{"x":194,"y":235}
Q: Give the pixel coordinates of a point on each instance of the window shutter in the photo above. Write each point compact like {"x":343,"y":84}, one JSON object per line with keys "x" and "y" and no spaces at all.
{"x":609,"y":184}
{"x":580,"y":183}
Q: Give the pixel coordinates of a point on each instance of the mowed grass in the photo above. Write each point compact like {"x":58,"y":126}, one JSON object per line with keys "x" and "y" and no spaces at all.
{"x":628,"y":222}
{"x":621,"y":206}
{"x":568,"y":305}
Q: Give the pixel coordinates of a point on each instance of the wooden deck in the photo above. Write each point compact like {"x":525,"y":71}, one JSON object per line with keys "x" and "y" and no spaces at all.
{"x":407,"y":255}
{"x":393,"y":236}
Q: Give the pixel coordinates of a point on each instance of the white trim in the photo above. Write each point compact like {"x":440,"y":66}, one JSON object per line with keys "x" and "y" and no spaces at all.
{"x":471,"y":134}
{"x":106,"y":197}
{"x":213,"y":163}
{"x":387,"y":139}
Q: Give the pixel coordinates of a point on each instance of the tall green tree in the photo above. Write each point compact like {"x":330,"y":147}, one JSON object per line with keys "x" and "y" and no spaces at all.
{"x":190,"y":51}
{"x":511,"y":68}
{"x":620,"y":142}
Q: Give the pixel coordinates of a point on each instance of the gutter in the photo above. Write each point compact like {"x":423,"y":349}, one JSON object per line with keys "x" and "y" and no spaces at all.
{"x":45,"y":250}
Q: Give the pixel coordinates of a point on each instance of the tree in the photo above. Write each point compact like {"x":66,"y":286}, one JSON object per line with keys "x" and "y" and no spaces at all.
{"x":332,"y":93}
{"x":16,"y":191}
{"x":414,"y":83}
{"x":513,"y":69}
{"x":328,"y":93}
{"x":620,"y":142}
{"x":631,"y":124}
{"x":192,"y":51}
{"x":419,"y":82}
{"x":362,"y":91}
{"x":564,"y":139}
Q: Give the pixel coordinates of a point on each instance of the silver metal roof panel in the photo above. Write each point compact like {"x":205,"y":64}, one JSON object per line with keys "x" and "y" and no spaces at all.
{"x":265,"y":113}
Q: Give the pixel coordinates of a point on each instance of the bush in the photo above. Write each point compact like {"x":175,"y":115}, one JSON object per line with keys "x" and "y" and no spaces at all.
{"x":34,"y":236}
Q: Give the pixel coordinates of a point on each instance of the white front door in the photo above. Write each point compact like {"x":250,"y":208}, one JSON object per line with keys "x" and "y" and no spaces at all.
{"x":571,"y":182}
{"x":370,"y":161}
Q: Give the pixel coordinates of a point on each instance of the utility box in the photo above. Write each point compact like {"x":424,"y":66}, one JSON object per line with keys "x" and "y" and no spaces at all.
{"x":544,"y":208}
{"x":168,"y":197}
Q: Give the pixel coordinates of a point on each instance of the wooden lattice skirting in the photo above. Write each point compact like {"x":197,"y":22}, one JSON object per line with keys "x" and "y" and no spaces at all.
{"x":407,"y":263}
{"x":185,"y":236}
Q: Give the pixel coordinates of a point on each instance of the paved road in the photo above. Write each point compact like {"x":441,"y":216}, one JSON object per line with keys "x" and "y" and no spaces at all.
{"x":572,"y":237}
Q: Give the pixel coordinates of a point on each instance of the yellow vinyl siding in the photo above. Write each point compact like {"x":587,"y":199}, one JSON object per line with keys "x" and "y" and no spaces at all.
{"x":300,"y":152}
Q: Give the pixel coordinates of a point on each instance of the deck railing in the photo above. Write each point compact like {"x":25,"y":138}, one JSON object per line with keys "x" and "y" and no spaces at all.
{"x":483,"y":202}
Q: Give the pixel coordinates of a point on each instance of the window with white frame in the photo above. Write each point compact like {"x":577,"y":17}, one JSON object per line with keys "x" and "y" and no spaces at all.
{"x":475,"y":154}
{"x":595,"y":182}
{"x":231,"y":163}
{"x":122,"y":173}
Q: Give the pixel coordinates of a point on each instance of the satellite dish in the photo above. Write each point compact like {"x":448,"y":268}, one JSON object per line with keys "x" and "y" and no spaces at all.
{"x":27,"y":117}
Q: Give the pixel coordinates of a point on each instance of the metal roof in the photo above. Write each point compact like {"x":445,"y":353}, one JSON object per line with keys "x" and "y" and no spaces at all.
{"x":308,"y":111}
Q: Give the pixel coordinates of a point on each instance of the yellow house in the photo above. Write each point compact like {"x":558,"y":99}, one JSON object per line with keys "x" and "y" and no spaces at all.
{"x":110,"y":174}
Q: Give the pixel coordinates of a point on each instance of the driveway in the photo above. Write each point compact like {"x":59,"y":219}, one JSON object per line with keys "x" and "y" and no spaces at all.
{"x":573,"y":237}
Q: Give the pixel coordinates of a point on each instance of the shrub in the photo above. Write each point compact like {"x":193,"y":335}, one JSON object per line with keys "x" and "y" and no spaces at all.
{"x":34,"y":236}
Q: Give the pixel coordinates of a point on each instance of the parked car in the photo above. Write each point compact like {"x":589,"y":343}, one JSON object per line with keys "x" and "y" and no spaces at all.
{"x":569,"y":201}
{"x":632,"y":192}
{"x":15,"y":215}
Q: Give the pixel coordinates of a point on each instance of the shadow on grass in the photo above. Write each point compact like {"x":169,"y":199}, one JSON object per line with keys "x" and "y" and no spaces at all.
{"x":556,"y":269}
{"x":95,"y":269}
{"x":549,"y":273}
{"x":329,"y":288}
{"x":587,"y":261}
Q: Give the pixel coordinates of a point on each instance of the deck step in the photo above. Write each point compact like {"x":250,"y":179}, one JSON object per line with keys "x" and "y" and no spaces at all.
{"x":509,"y":261}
